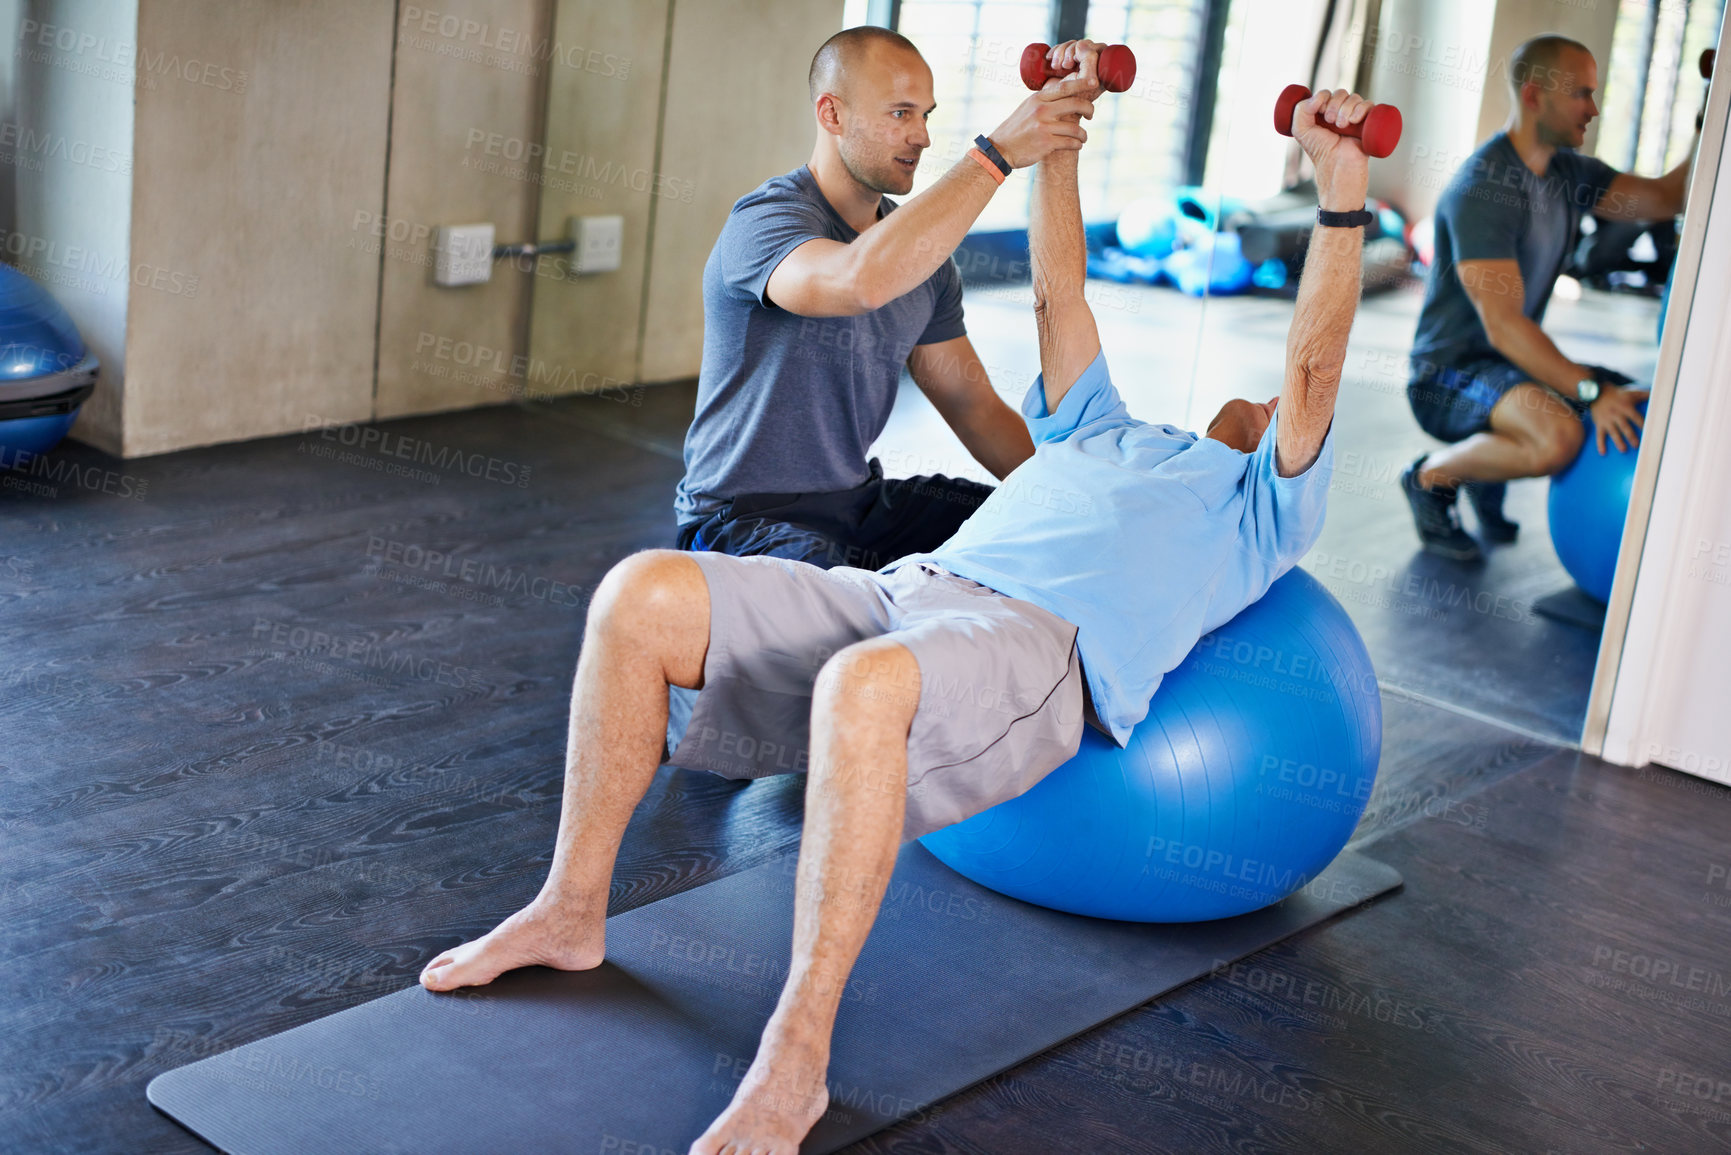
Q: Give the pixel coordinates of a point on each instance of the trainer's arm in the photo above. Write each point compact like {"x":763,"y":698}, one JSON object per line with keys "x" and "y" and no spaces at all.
{"x":826,"y":278}
{"x":1499,"y":294}
{"x":1069,"y":338}
{"x":1328,"y":291}
{"x":951,"y":375}
{"x":1648,"y":198}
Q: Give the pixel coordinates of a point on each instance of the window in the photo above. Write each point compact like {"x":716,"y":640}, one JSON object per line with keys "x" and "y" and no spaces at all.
{"x":1138,"y":141}
{"x":1652,"y":86}
{"x":974,"y":48}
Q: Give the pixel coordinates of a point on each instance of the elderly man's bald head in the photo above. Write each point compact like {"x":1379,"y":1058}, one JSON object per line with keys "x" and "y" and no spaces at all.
{"x":846,"y":52}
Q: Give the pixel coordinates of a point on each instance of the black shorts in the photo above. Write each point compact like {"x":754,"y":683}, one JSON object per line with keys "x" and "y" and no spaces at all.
{"x":1453,"y":402}
{"x":866,"y":527}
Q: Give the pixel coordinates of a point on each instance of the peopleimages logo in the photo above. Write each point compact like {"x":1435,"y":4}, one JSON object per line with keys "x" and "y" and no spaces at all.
{"x":17,"y":466}
{"x":542,"y":378}
{"x":413,"y":556}
{"x":371,"y":439}
{"x":92,"y":52}
{"x":22,"y":145}
{"x":500,"y":46}
{"x":517,"y":157}
{"x":31,"y":252}
{"x":306,"y":642}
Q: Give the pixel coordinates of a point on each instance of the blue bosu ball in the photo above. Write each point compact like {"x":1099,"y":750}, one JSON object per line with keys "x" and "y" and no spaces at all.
{"x":24,"y":436}
{"x":45,"y":370}
{"x":1243,"y":783}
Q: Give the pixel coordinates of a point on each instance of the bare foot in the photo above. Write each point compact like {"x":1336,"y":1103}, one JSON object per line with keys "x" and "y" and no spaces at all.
{"x":778,"y":1101}
{"x":537,"y":935}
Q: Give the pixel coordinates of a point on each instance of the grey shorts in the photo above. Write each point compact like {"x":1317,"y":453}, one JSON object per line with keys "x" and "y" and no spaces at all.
{"x":1000,"y":690}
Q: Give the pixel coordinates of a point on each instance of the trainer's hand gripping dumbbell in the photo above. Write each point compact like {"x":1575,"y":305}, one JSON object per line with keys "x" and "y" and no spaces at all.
{"x":1378,"y":132}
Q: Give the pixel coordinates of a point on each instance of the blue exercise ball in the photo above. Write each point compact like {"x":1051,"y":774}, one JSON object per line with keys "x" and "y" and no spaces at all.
{"x":1215,"y":268}
{"x":1201,"y":204}
{"x":1588,"y":503}
{"x":46,"y":372}
{"x":1244,"y":781}
{"x":1270,"y":274}
{"x":1148,"y":227}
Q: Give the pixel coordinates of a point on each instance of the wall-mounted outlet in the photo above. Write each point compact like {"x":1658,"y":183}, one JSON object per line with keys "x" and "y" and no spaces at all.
{"x":599,"y":243}
{"x":462,"y":254}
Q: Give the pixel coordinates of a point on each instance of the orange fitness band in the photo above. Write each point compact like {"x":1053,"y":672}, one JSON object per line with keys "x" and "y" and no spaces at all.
{"x":986,"y":163}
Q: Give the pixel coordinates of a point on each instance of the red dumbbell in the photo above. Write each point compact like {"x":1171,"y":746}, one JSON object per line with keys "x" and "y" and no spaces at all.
{"x":1116,"y":69}
{"x":1707,"y":56}
{"x":1378,"y":132}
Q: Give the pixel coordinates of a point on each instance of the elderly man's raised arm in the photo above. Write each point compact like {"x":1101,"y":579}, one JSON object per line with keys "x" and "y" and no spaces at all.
{"x":1328,"y":293}
{"x":1069,"y":340}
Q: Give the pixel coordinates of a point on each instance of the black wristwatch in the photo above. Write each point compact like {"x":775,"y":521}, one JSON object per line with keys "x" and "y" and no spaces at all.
{"x":992,"y":153}
{"x":1344,"y":220}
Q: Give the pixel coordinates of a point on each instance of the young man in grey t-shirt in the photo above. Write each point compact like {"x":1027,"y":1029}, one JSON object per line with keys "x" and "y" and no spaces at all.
{"x":819,"y":291}
{"x":1485,"y":377}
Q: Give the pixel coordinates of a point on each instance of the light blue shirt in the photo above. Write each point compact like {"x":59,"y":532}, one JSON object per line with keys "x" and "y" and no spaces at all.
{"x":1144,"y":537}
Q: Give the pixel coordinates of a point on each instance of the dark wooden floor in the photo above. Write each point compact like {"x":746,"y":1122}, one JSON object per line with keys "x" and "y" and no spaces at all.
{"x":259,"y":759}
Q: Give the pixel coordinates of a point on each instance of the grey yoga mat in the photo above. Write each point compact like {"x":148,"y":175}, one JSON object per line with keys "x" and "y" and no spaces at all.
{"x":955,"y":984}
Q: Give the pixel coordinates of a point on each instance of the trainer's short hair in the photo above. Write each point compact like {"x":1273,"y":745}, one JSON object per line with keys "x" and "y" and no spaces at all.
{"x":843,"y":51}
{"x":1536,"y":58}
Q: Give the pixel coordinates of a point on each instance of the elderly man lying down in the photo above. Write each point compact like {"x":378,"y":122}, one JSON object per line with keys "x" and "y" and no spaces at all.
{"x":924,"y":693}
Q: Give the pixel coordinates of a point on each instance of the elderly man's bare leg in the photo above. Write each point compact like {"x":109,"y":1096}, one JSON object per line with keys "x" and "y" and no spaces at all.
{"x":862,"y":707}
{"x":648,"y":627}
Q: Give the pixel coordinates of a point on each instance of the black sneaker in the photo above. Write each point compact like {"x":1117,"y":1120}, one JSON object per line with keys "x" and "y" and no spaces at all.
{"x":1438,"y":522}
{"x":1487,"y":501}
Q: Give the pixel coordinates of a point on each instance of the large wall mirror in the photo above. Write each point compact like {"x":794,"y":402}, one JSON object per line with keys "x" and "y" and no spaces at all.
{"x":1195,"y":207}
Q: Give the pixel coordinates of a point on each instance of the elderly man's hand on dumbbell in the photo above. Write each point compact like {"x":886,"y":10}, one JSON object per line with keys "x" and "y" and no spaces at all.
{"x":1342,"y":168}
{"x":1073,"y":68}
{"x":1066,"y":79}
{"x":1113,"y":64}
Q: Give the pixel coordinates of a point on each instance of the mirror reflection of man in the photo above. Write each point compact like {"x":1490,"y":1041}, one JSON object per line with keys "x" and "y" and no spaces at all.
{"x":1485,"y":377}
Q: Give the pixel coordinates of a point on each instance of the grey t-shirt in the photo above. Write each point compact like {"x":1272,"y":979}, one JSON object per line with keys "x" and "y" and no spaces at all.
{"x":1496,"y":208}
{"x":790,"y":404}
